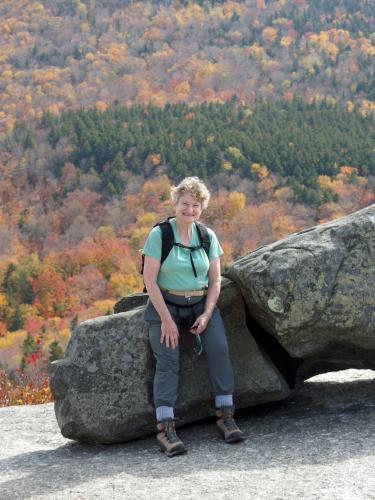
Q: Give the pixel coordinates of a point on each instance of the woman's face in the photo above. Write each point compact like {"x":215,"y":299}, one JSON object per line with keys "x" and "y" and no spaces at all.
{"x":188,"y":209}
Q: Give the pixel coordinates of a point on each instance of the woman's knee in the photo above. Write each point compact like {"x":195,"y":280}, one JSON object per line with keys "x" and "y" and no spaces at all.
{"x":167,"y":362}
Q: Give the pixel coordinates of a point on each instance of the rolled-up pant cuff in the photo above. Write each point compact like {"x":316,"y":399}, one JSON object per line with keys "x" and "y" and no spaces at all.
{"x":223,"y":400}
{"x":164,"y":412}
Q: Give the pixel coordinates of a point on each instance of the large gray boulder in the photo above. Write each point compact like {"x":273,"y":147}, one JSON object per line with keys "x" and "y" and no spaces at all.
{"x":103,"y":386}
{"x":292,"y":309}
{"x":314,"y":293}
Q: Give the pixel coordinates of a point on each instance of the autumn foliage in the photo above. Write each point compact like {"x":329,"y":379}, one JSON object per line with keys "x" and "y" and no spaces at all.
{"x":56,"y":56}
{"x":26,"y":387}
{"x":105,"y":105}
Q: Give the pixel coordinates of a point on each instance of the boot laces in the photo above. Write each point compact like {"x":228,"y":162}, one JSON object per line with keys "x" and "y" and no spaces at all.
{"x":230,"y":424}
{"x":170,"y":432}
{"x":227,"y":416}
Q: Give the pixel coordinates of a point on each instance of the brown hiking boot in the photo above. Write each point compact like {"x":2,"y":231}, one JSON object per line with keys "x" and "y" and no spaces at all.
{"x":168,"y":440}
{"x":227,"y":426}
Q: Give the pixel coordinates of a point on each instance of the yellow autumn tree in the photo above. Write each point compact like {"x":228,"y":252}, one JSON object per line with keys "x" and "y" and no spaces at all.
{"x":121,"y":284}
{"x":147,"y":219}
{"x":350,"y":106}
{"x":138,"y":236}
{"x":182,"y":90}
{"x":286,"y":41}
{"x":259,"y":170}
{"x":236,"y":203}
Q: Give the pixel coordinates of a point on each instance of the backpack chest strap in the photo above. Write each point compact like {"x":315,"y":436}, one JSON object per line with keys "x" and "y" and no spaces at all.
{"x":180,"y":245}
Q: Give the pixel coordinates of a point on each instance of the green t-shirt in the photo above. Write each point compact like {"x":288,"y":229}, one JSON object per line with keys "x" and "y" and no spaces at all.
{"x":176,"y":272}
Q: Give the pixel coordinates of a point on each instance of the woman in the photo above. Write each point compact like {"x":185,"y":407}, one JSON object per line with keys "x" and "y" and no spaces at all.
{"x":186,"y":287}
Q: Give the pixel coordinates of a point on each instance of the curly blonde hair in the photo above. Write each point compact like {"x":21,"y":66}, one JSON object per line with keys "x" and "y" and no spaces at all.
{"x":193,"y":186}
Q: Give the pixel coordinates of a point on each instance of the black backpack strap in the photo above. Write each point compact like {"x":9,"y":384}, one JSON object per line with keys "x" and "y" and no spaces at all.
{"x":167,"y":239}
{"x":204,"y":237}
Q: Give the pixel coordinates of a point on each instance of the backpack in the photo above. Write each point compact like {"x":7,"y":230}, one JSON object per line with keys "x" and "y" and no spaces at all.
{"x":167,"y":239}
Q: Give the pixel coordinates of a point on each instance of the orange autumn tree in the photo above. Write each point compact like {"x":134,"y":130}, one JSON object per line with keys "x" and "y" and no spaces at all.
{"x":51,"y":292}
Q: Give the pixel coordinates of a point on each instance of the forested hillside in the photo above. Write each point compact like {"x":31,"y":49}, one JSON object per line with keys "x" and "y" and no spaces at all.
{"x":106,"y":104}
{"x":297,"y":142}
{"x":59,"y":54}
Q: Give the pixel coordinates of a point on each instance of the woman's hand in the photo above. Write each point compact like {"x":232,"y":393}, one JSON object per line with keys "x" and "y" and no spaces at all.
{"x":200,"y":324}
{"x":169,"y":333}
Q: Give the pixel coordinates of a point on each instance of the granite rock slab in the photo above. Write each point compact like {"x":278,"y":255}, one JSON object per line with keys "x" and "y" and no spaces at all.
{"x":103,"y":387}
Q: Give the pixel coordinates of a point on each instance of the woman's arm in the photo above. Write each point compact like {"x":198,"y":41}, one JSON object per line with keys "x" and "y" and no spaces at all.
{"x":214,"y":285}
{"x":169,"y":331}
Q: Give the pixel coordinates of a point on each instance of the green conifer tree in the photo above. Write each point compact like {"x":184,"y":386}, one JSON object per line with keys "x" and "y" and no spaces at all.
{"x":55,"y":351}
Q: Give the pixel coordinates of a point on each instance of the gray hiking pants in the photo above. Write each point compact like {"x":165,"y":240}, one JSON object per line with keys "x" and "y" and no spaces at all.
{"x":214,"y":343}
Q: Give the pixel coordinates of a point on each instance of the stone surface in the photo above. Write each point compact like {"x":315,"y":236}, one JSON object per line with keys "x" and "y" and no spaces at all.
{"x":314,"y":292}
{"x":103,"y":386}
{"x":130,"y":302}
{"x":317,"y":445}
